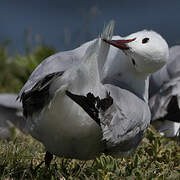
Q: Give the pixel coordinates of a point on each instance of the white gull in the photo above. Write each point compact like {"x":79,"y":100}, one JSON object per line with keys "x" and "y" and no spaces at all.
{"x":10,"y":114}
{"x":75,"y":115}
{"x":165,"y":96}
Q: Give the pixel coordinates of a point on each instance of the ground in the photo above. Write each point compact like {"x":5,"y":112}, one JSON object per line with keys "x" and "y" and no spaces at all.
{"x":155,"y":158}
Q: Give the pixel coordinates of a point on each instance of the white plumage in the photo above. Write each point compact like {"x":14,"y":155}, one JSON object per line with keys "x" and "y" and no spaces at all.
{"x":82,"y":104}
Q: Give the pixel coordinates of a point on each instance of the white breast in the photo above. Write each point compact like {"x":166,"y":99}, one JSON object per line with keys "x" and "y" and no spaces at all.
{"x":66,"y":130}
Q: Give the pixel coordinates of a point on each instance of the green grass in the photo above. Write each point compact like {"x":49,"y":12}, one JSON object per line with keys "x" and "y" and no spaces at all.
{"x":16,"y":69}
{"x":155,"y":158}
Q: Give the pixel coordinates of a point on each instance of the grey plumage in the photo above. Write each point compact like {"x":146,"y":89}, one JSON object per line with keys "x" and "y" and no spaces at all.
{"x":68,"y":88}
{"x":165,"y":95}
{"x":58,"y":62}
{"x":10,"y":112}
{"x":9,"y":101}
{"x":38,"y":97}
{"x":125,"y":122}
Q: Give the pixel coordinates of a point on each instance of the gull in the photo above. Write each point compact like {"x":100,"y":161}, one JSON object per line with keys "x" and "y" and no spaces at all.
{"x":165,"y":94}
{"x":77,"y":111}
{"x":10,"y":114}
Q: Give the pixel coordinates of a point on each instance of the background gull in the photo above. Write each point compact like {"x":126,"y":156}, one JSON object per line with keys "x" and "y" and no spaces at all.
{"x":10,"y":114}
{"x":68,"y":108}
{"x":164,"y":96}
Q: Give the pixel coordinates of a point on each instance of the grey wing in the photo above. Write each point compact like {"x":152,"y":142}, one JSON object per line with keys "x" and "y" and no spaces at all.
{"x":165,"y":88}
{"x":10,"y":112}
{"x":165,"y":104}
{"x":165,"y":110}
{"x":35,"y":99}
{"x":9,"y":101}
{"x":173,"y":67}
{"x":174,"y":53}
{"x":157,"y":79}
{"x":56,"y":63}
{"x":125,"y":122}
{"x":167,"y":73}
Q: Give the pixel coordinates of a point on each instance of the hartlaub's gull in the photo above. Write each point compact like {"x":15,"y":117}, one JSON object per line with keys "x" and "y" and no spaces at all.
{"x":74,"y":115}
{"x":165,"y":94}
{"x":10,"y":112}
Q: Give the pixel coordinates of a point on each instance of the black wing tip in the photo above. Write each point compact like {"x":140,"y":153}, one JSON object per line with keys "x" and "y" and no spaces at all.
{"x":173,"y":111}
{"x":105,"y":103}
{"x":92,"y":105}
{"x":87,"y":103}
{"x":18,"y":98}
{"x":38,"y":96}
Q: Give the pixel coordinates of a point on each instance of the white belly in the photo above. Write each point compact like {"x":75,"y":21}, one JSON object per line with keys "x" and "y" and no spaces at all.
{"x":66,"y":130}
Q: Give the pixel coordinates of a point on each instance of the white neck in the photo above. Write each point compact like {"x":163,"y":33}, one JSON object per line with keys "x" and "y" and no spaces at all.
{"x":120,"y":72}
{"x":116,"y":65}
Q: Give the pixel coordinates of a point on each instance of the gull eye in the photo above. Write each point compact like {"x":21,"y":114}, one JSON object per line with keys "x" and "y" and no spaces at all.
{"x":145,"y":40}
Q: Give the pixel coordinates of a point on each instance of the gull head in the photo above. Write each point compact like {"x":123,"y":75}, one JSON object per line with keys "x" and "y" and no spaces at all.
{"x":147,"y":50}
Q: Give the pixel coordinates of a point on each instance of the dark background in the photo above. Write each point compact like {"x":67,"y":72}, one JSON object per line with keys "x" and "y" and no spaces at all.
{"x":65,"y":24}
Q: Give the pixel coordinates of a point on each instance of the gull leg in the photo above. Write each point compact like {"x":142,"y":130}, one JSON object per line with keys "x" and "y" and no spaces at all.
{"x":48,"y":158}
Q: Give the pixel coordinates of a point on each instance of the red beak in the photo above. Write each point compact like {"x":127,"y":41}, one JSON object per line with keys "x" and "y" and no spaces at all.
{"x":121,"y":44}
